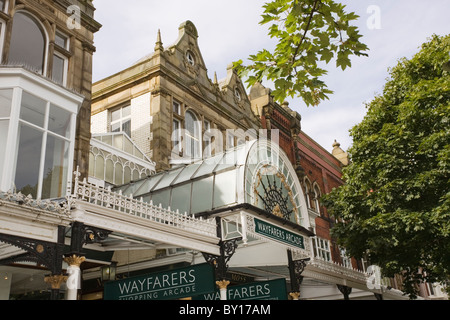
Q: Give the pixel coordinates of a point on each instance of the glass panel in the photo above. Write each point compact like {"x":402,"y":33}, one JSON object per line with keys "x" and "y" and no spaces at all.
{"x":148,"y":185}
{"x":58,"y":69}
{"x":33,"y":109}
{"x":187,"y":173}
{"x":118,"y":141}
{"x":126,"y":111}
{"x":5,"y":102}
{"x":27,"y":44}
{"x":168,"y":178}
{"x":100,"y":167}
{"x":181,"y":198}
{"x":4,"y":124}
{"x":225,"y":189}
{"x":209,"y":165}
{"x":61,"y":40}
{"x":126,"y":175}
{"x":162,"y":198}
{"x":91,"y":164}
{"x":126,"y":127}
{"x":59,"y":121}
{"x":115,"y":115}
{"x":107,"y":139}
{"x":55,"y":168}
{"x":136,"y":175}
{"x":28,"y":160}
{"x":128,"y":146}
{"x":109,"y":172}
{"x":118,"y":176}
{"x":202,"y":195}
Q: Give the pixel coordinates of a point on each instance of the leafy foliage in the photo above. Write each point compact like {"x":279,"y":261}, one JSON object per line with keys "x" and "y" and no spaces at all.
{"x":308,"y":32}
{"x":395,"y":205}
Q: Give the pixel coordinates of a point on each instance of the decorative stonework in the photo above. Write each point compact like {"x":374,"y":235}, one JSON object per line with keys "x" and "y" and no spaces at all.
{"x":223,"y":284}
{"x":74,"y":260}
{"x":56,"y":281}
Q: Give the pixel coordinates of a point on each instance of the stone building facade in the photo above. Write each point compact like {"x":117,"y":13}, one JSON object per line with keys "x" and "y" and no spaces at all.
{"x":170,"y":90}
{"x":46,"y":50}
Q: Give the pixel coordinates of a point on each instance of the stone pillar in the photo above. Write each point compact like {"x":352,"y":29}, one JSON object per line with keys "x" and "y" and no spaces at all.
{"x":223,"y":285}
{"x":74,"y":278}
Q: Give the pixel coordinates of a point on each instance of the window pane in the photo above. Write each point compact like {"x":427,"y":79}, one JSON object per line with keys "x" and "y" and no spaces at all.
{"x":126,"y":127}
{"x":5,"y":102}
{"x":4,"y":124}
{"x":225,"y":189}
{"x":181,"y":198}
{"x":109,"y":172}
{"x":118,"y":175}
{"x":115,"y":115}
{"x":33,"y":109}
{"x":27,"y":44}
{"x":61,"y":40}
{"x":59,"y":121}
{"x":100,"y":168}
{"x":55,"y":168}
{"x":58,"y":69}
{"x":115,"y":127}
{"x":202,"y":194}
{"x":28,"y":160}
{"x":126,"y":111}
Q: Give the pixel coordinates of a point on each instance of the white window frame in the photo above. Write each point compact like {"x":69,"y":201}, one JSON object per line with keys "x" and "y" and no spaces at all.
{"x":121,"y":119}
{"x":66,"y":66}
{"x":21,"y":80}
{"x":323,"y":251}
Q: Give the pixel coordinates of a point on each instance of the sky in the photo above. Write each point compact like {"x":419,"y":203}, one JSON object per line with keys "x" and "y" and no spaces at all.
{"x":229,"y":30}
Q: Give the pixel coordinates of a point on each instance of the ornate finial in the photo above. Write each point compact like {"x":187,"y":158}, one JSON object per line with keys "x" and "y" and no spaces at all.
{"x":336,"y":144}
{"x":215,"y":79}
{"x":159,"y":44}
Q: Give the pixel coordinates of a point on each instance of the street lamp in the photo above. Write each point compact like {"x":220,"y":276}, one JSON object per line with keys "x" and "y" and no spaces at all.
{"x":108,"y":272}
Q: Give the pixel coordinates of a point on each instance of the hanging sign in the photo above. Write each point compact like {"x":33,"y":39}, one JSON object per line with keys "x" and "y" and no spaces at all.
{"x":268,"y":290}
{"x":172,"y":284}
{"x":267,"y":230}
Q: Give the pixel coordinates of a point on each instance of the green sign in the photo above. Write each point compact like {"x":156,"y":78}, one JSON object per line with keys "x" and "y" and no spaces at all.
{"x":269,"y":290}
{"x":173,"y":284}
{"x":276,"y":233}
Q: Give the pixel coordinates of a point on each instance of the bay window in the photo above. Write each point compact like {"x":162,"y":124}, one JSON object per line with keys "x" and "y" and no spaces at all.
{"x":37,"y":134}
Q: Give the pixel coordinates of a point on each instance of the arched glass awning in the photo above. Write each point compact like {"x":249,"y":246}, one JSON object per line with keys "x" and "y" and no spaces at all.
{"x":257,"y":173}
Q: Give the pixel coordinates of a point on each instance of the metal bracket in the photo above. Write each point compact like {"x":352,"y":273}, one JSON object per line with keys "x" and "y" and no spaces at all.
{"x":48,"y":254}
{"x":220,"y":263}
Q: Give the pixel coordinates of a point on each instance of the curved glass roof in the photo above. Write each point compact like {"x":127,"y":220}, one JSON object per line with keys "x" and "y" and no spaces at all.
{"x":257,"y":172}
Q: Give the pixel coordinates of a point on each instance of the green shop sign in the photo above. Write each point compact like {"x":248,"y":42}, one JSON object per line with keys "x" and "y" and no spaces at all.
{"x":279,"y":234}
{"x":269,"y":290}
{"x":173,"y":284}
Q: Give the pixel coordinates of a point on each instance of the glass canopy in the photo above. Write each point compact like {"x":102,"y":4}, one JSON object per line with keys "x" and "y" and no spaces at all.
{"x":256,"y":173}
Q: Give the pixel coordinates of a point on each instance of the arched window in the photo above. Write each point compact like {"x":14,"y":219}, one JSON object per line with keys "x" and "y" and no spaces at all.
{"x":317,"y":195}
{"x":28,"y":43}
{"x":192,"y":131}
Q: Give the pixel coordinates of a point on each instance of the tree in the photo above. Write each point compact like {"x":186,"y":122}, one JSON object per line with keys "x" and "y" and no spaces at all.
{"x":395,"y":204}
{"x":308,"y":33}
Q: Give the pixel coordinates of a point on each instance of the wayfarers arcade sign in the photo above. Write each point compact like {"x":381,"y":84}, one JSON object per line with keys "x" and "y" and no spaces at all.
{"x":172,"y":284}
